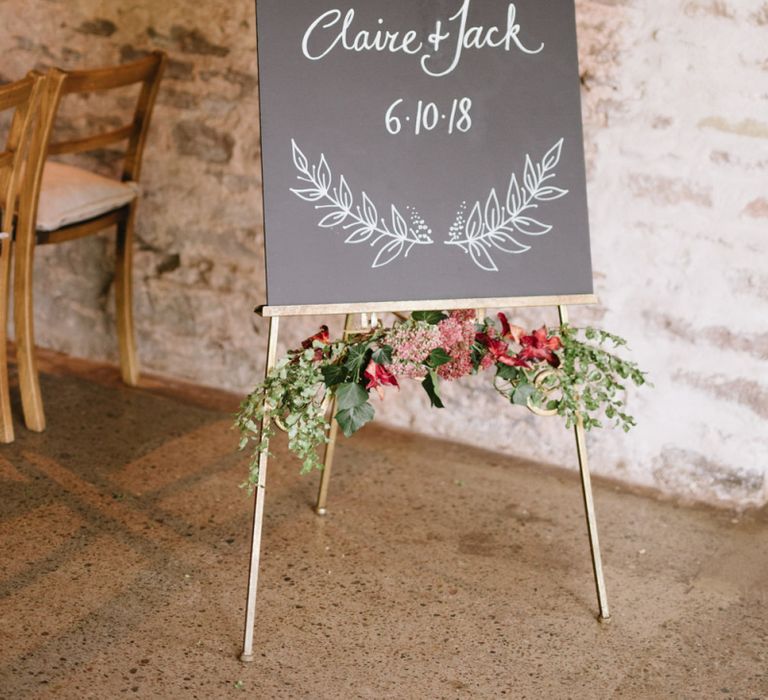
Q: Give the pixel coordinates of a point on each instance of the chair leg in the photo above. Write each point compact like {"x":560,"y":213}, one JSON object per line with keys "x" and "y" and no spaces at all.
{"x":24,"y":323}
{"x":129,"y":363}
{"x":6,"y":418}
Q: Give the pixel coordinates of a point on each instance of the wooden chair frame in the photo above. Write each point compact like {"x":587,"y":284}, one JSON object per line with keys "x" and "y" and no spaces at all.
{"x":23,"y":97}
{"x":147,"y":71}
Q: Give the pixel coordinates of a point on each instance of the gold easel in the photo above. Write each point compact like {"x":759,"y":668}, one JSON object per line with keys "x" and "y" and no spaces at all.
{"x":274,"y":313}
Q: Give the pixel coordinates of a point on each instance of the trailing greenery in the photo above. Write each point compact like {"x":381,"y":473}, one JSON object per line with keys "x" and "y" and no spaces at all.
{"x":290,"y":395}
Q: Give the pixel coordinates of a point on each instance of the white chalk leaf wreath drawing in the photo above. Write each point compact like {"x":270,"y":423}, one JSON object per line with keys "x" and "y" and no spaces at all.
{"x":496,"y":226}
{"x":362,"y":221}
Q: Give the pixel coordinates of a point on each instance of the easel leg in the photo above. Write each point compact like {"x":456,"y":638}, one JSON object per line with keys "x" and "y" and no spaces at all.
{"x":589,"y":508}
{"x":330,"y":448}
{"x":325,"y":477}
{"x":258,"y":515}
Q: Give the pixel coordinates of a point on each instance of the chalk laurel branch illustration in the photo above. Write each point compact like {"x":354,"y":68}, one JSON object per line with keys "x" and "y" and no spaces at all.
{"x":362,"y":221}
{"x":498,"y":226}
{"x":495,"y":227}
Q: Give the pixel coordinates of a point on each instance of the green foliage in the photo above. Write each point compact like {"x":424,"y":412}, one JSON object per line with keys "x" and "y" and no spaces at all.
{"x":523,"y":393}
{"x":334,"y":374}
{"x":355,"y":417}
{"x":431,"y":385}
{"x":350,"y":395}
{"x":509,"y":374}
{"x":438,"y":357}
{"x":592,"y":380}
{"x":580,"y":377}
{"x":382,"y":355}
{"x":356,"y":360}
{"x":431,"y":317}
{"x":292,"y":392}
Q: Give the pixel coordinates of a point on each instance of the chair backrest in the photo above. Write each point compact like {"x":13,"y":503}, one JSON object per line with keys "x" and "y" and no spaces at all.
{"x":147,"y":72}
{"x":22,"y":100}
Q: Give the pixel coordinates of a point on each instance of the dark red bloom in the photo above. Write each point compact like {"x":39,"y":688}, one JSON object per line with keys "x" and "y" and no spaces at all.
{"x":497,"y":349}
{"x":379,"y":376}
{"x":511,"y":332}
{"x":540,"y":348}
{"x":322,"y":336}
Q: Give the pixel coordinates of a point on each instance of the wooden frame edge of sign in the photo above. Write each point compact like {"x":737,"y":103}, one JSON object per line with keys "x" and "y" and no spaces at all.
{"x":428,"y":305}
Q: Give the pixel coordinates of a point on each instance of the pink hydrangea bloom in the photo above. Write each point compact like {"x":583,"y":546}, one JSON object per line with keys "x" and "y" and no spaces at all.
{"x":457,"y":334}
{"x":410,"y":347}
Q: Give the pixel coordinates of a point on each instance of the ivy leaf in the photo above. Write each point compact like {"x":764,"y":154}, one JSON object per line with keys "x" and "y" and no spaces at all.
{"x":522,"y":394}
{"x":350,"y":420}
{"x":510,"y":374}
{"x":350,"y":395}
{"x":431,"y":386}
{"x":383,"y":355}
{"x":356,"y":359}
{"x":438,"y":357}
{"x":334,"y":374}
{"x":431,"y":317}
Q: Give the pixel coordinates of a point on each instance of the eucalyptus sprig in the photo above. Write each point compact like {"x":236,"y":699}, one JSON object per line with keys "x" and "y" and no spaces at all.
{"x":593,"y":380}
{"x":589,"y":380}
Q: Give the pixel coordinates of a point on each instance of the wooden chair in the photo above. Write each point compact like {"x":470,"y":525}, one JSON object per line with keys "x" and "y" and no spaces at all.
{"x":19,"y":102}
{"x":61,"y":203}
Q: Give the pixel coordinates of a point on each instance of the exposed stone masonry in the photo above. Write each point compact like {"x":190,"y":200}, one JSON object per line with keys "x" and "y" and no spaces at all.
{"x":677,"y":147}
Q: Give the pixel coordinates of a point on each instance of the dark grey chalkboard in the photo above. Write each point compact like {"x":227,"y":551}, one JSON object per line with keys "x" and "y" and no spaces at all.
{"x":400,"y":168}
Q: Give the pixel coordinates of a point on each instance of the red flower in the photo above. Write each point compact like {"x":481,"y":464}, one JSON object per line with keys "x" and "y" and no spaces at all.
{"x":539,"y":347}
{"x":322,"y":336}
{"x":514,"y":333}
{"x":497,"y":349}
{"x":379,"y":376}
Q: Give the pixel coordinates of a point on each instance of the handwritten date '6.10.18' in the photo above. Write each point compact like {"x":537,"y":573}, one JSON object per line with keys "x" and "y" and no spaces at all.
{"x":427,"y":116}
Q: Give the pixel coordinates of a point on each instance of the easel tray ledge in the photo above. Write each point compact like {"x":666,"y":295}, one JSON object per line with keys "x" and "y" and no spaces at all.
{"x":429,"y":305}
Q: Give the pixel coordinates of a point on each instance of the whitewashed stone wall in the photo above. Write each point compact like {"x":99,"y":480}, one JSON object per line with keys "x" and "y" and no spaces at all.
{"x":676,"y":117}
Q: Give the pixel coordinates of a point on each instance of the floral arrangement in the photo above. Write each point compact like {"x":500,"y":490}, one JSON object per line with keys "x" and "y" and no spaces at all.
{"x":570,"y":372}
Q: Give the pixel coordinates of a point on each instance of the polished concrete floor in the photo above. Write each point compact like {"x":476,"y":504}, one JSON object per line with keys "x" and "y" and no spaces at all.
{"x":441,"y":571}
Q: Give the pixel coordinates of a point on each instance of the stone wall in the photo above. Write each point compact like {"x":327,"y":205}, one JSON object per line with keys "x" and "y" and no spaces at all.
{"x":675,"y":103}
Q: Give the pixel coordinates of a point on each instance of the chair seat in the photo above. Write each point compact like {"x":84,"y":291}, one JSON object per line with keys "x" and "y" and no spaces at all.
{"x":69,"y":195}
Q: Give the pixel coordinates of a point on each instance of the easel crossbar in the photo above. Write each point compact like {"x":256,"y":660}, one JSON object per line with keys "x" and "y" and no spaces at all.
{"x":426,"y":305}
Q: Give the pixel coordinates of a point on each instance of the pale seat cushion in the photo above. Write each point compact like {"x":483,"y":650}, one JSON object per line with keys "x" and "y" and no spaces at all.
{"x":69,"y":195}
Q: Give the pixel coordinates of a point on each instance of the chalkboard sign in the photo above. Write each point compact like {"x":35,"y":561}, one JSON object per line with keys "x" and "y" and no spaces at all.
{"x":421,"y":150}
